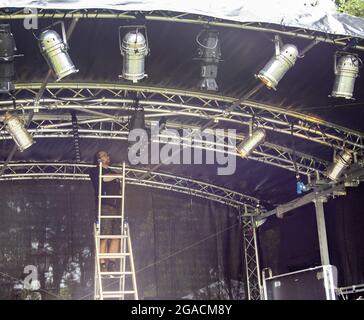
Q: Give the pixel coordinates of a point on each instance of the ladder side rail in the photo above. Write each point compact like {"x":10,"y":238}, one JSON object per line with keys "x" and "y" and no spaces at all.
{"x":123,"y":198}
{"x":100,"y":194}
{"x":98,"y":280}
{"x":122,"y":229}
{"x":123,"y":262}
{"x":132,"y":263}
{"x":97,"y":238}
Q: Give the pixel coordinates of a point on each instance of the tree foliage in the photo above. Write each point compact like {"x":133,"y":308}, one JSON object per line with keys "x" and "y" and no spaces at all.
{"x":353,"y":7}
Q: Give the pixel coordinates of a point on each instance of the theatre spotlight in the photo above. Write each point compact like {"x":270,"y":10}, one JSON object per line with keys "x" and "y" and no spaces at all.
{"x":278,"y":65}
{"x":209,"y":52}
{"x":137,"y":120}
{"x":7,"y":55}
{"x":134,"y":48}
{"x":341,"y":162}
{"x":55,"y":51}
{"x":250,"y":143}
{"x":15,"y":127}
{"x":346,"y":68}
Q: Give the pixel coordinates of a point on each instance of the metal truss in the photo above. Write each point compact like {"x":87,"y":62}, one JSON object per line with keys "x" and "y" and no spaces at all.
{"x":177,"y":17}
{"x":114,"y":98}
{"x":77,"y":171}
{"x":112,"y":103}
{"x":59,"y":126}
{"x":251,"y":258}
{"x":345,"y":292}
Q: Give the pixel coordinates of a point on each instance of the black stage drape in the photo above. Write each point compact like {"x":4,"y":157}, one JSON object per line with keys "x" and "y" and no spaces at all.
{"x":184,"y":247}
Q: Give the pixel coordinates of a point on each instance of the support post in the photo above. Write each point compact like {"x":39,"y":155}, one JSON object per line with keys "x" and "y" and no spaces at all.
{"x":321,"y":229}
{"x":252,"y":269}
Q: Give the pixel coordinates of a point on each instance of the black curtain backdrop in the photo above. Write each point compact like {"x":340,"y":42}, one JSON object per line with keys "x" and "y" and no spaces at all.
{"x":291,"y":243}
{"x":184,"y":247}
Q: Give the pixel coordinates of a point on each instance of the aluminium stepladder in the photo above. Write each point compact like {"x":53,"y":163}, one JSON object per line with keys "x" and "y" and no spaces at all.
{"x":121,"y":283}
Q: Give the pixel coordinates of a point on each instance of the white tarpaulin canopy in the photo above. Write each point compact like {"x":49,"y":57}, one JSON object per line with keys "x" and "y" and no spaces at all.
{"x":316,"y":15}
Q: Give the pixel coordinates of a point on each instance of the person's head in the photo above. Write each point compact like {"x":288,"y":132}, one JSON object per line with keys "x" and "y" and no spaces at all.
{"x":103,"y":157}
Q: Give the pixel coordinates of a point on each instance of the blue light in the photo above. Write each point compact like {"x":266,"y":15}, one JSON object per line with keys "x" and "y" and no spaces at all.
{"x":301,"y":187}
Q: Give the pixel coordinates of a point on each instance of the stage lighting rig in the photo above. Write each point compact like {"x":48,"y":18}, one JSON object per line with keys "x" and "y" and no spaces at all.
{"x":341,"y":161}
{"x":134,"y":48}
{"x":285,"y":57}
{"x":7,"y":55}
{"x":209,"y":52}
{"x":250,"y":143}
{"x":300,"y":185}
{"x":346,"y":68}
{"x":137,"y":120}
{"x":15,"y":127}
{"x":55,"y":51}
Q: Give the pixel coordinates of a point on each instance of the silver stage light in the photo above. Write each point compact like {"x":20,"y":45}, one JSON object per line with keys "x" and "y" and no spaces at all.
{"x":55,"y":51}
{"x":134,"y":48}
{"x":346,"y":70}
{"x":250,"y":143}
{"x":209,"y":52}
{"x":341,"y":162}
{"x":7,"y":55}
{"x":15,"y":127}
{"x":278,"y":65}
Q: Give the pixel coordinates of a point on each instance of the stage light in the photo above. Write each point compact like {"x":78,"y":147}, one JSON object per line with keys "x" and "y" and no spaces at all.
{"x":278,"y":65}
{"x":134,"y":48}
{"x":137,"y":120}
{"x":209,"y":52}
{"x":249,"y":144}
{"x":55,"y":51}
{"x":346,"y":68}
{"x":140,"y":135}
{"x":300,"y":186}
{"x":259,"y":223}
{"x":341,"y":162}
{"x":15,"y":127}
{"x":7,"y":55}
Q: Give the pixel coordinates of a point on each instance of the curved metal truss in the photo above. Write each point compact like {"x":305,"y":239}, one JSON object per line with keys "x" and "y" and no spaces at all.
{"x":178,"y":17}
{"x":77,"y":171}
{"x":267,"y":153}
{"x":170,"y":102}
{"x":112,"y":103}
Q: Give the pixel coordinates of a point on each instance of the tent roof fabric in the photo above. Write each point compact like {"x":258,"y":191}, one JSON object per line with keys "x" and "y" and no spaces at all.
{"x":308,"y":14}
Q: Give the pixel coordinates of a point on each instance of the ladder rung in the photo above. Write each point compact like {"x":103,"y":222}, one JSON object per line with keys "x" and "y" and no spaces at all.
{"x":113,"y":255}
{"x":111,"y":197}
{"x":113,"y":176}
{"x":110,"y":236}
{"x":110,"y":217}
{"x":117,"y":292}
{"x":115,"y":273}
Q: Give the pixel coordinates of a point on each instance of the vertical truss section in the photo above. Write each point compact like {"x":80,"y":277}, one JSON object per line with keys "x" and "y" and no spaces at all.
{"x":252,"y":269}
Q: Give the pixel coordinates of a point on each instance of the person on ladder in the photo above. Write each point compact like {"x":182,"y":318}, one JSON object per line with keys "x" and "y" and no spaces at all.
{"x":110,"y":186}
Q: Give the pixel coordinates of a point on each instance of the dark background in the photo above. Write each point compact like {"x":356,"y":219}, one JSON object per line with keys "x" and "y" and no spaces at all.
{"x":184,"y":247}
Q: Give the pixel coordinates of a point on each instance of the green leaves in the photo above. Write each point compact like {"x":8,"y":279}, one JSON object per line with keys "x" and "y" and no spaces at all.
{"x":353,"y":7}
